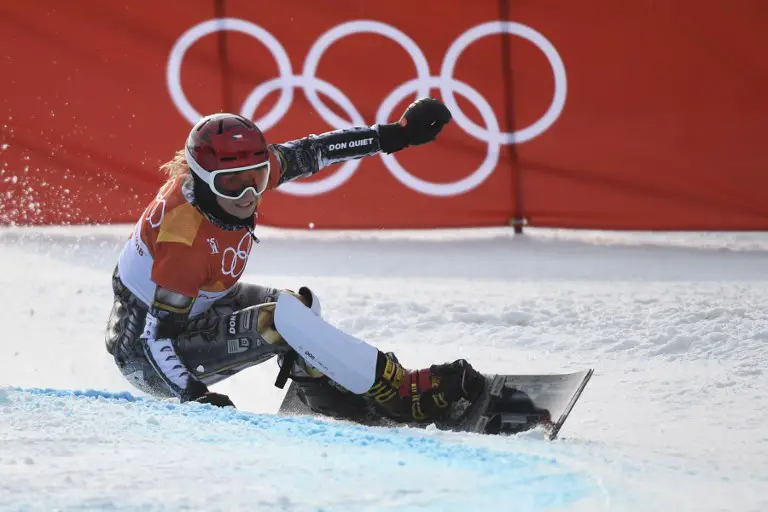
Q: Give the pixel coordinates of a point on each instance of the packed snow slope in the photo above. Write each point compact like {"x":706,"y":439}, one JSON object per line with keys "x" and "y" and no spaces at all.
{"x":676,"y":326}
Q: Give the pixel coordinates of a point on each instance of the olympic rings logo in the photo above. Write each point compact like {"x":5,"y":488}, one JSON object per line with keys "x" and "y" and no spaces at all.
{"x":233,"y":261}
{"x":421,"y":85}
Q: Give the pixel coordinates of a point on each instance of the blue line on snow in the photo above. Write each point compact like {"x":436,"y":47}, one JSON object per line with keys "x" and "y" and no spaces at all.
{"x":542,"y":476}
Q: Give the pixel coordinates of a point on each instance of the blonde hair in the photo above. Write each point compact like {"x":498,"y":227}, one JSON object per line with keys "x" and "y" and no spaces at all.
{"x":176,"y":167}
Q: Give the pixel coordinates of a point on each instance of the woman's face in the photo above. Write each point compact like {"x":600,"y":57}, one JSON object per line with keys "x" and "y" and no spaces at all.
{"x":241,"y":208}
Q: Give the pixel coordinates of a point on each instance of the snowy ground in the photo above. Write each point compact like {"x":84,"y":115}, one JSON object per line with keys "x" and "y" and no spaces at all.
{"x":675,"y":417}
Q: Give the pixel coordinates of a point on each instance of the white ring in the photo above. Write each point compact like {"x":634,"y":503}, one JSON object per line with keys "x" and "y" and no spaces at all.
{"x":359,"y":27}
{"x":191,"y":36}
{"x":463,"y":185}
{"x":497,"y":27}
{"x":331,"y":180}
{"x":446,"y":83}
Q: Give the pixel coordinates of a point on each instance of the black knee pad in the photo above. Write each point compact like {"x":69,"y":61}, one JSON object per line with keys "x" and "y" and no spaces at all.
{"x":244,"y":337}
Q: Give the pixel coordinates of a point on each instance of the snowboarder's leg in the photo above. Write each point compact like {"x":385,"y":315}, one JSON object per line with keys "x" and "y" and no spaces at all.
{"x":125,"y":325}
{"x":217,"y":347}
{"x":358,"y":368}
{"x":237,"y":332}
{"x":211,"y":346}
{"x":323,"y":396}
{"x":400,"y":395}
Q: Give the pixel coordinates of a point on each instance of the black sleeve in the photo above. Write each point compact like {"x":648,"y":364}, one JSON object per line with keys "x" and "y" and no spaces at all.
{"x":304,"y":157}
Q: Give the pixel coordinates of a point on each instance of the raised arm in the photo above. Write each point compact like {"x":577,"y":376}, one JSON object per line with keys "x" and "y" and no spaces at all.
{"x":420,"y":124}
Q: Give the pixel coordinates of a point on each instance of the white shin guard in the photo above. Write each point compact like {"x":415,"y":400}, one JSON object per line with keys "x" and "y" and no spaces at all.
{"x":348,"y":361}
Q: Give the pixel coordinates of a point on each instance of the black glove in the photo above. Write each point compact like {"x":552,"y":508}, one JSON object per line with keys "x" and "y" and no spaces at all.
{"x":422,"y":121}
{"x":215,"y":399}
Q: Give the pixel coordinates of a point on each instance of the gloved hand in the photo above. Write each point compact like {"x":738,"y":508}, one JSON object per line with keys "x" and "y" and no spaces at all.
{"x":215,"y":399}
{"x":421,"y":123}
{"x":424,"y":395}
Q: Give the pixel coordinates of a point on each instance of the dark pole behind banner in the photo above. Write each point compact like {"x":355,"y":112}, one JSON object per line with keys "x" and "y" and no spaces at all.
{"x":518,"y":214}
{"x":226,"y":77}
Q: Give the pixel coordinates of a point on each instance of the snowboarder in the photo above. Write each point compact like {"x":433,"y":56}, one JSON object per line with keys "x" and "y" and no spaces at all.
{"x":182,"y":320}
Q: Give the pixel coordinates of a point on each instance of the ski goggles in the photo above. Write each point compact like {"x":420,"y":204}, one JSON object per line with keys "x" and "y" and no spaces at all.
{"x":236,"y":182}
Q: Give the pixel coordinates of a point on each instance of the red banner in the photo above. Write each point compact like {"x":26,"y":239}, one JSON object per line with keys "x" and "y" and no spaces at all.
{"x":587,"y":114}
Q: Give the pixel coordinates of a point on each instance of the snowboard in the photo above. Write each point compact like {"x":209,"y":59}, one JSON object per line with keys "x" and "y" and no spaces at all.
{"x":509,"y":405}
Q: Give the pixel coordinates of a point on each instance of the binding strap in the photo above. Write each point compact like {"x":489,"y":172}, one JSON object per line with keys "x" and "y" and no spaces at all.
{"x":285,"y":369}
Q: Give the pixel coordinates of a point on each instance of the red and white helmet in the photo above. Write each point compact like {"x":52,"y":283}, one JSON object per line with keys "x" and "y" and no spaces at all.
{"x":229,"y":153}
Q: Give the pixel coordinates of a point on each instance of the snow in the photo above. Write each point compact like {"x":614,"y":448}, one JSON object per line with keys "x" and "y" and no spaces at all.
{"x":674,"y":418}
